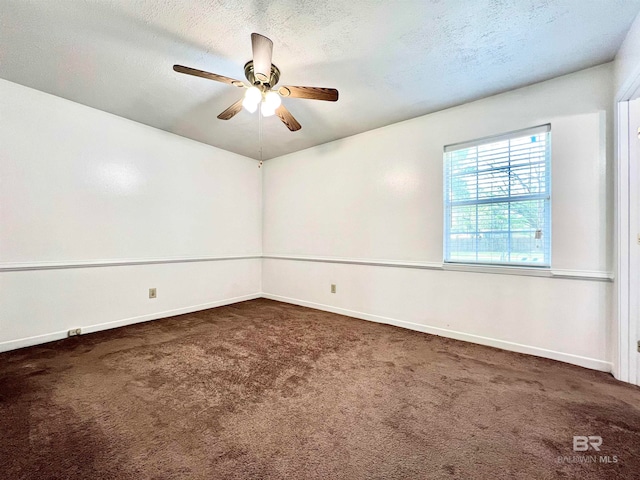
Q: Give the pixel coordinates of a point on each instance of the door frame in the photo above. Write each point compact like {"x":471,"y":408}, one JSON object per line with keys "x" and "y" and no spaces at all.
{"x":626,"y":206}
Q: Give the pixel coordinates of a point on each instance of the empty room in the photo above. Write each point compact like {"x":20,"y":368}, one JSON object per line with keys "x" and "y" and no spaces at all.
{"x":291,"y":239}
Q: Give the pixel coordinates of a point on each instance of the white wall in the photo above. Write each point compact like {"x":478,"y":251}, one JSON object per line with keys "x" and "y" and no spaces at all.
{"x":133,"y":206}
{"x":627,"y":62}
{"x":359,"y":212}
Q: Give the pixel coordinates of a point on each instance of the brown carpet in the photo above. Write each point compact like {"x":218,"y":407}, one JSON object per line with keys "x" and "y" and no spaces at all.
{"x":263,"y":389}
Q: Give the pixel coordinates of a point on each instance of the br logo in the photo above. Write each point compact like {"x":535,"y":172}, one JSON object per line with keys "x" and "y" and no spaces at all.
{"x":582,"y":444}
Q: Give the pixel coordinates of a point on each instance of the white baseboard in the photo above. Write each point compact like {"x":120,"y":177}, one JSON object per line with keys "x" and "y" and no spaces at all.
{"x":50,"y":337}
{"x":586,"y":362}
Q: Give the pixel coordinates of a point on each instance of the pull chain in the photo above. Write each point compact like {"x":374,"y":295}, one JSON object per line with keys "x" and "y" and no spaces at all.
{"x":260,"y":132}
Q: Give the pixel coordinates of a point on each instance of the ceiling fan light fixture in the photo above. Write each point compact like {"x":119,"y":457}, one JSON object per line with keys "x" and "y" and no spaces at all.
{"x":266,"y":110}
{"x":249,"y":105}
{"x":253,"y":95}
{"x":262,"y":76}
{"x":272,"y":100}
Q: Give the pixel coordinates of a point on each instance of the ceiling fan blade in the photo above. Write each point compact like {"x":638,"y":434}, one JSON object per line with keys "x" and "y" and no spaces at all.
{"x":262,"y":51}
{"x":208,"y":75}
{"x":231,"y":111}
{"x":314,"y":93}
{"x":288,"y":119}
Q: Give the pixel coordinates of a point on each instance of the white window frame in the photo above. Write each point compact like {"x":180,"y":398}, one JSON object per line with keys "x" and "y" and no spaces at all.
{"x":546,"y":196}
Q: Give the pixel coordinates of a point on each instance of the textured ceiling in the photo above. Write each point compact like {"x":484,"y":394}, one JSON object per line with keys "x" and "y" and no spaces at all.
{"x":390,"y":60}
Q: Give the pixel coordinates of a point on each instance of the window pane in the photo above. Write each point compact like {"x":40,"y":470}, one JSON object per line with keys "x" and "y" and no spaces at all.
{"x":497,"y":201}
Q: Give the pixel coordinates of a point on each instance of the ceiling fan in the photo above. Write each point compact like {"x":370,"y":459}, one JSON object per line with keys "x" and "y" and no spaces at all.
{"x":263,"y":77}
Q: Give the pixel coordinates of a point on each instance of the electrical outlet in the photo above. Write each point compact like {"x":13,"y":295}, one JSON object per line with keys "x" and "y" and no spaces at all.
{"x":152,"y":293}
{"x":333,"y":288}
{"x":75,"y":331}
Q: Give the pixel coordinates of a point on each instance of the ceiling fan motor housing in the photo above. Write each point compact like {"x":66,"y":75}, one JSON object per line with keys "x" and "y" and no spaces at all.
{"x":249,"y":73}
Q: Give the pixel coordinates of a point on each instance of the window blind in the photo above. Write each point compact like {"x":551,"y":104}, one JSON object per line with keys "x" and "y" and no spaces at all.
{"x":498,"y":199}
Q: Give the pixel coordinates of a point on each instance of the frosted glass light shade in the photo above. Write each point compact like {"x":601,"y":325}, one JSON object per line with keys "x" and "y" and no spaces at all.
{"x":272,"y":100}
{"x":253,"y":95}
{"x":266,"y":110}
{"x":250,"y":105}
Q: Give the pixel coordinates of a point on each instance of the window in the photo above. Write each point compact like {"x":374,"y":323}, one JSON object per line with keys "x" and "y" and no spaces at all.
{"x":498,"y":199}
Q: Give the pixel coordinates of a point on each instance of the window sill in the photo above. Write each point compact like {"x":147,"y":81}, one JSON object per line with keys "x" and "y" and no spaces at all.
{"x":545,"y":272}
